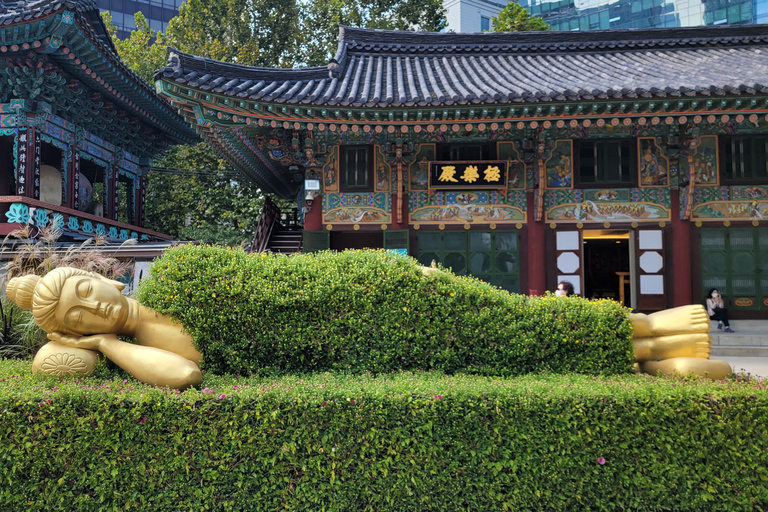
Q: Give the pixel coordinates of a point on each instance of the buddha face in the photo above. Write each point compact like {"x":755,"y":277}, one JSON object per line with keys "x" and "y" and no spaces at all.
{"x":91,"y":306}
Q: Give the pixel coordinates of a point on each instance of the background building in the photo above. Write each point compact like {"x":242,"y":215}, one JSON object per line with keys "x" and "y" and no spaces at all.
{"x":157,"y":12}
{"x":610,"y":14}
{"x":471,"y":15}
{"x":476,"y":15}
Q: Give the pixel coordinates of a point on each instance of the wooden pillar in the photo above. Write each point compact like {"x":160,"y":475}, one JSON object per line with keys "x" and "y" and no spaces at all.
{"x":313,"y":220}
{"x":537,"y":273}
{"x":680,"y":266}
{"x":403,"y":224}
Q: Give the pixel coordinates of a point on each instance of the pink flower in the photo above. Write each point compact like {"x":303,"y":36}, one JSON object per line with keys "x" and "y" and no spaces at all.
{"x":143,"y":420}
{"x":222,"y":396}
{"x":600,"y":461}
{"x":438,"y":397}
{"x":206,"y":390}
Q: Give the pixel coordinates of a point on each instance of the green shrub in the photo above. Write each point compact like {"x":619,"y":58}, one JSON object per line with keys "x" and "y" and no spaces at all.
{"x":403,"y":442}
{"x":370,"y":310}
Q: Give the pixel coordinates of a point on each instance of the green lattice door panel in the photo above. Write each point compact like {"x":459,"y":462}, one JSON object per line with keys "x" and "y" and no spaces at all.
{"x":397,"y":241}
{"x":735,"y":261}
{"x":316,"y":241}
{"x":493,"y":256}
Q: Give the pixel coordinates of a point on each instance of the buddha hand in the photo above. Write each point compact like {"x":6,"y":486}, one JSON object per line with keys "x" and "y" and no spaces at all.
{"x":92,"y":342}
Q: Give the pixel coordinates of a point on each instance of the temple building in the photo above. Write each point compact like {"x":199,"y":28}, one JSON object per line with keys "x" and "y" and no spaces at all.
{"x":631,"y":163}
{"x":78,"y":129}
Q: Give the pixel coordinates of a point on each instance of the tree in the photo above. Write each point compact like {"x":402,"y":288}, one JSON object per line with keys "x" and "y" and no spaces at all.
{"x":514,"y":18}
{"x":191,"y":194}
{"x":139,"y":52}
{"x":320,"y":20}
{"x":210,"y":203}
{"x":249,"y":32}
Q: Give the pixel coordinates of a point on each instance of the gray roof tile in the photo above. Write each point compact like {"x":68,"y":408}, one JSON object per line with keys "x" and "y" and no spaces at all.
{"x":396,"y":68}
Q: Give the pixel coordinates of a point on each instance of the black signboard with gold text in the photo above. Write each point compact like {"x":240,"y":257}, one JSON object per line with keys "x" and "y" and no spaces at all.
{"x":464,"y":175}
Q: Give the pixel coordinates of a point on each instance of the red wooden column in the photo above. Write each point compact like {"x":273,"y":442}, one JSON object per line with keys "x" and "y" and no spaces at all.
{"x":682,"y":286}
{"x":537,"y":272}
{"x":313,"y":220}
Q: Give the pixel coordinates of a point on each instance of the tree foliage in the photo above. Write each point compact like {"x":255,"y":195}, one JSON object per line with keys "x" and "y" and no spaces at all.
{"x":514,"y":18}
{"x":271,"y":33}
{"x":320,"y":22}
{"x":144,"y":51}
{"x":209,"y":204}
{"x":249,"y":32}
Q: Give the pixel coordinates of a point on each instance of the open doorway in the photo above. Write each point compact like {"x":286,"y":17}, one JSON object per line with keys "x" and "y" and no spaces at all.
{"x":607,"y":265}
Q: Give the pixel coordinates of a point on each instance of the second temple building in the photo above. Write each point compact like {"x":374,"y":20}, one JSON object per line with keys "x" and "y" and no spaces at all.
{"x":631,"y":163}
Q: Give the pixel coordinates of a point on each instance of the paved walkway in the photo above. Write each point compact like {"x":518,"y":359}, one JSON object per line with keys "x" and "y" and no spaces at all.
{"x":755,"y":365}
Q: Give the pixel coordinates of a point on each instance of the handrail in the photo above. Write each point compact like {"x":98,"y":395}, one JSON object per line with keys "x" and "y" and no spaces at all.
{"x":270,"y":214}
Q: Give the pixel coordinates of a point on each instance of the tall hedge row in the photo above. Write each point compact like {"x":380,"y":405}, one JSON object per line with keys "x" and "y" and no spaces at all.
{"x":405,"y":442}
{"x":373,"y":311}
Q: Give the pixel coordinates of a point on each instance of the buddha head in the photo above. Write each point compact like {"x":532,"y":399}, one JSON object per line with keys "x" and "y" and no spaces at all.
{"x":71,"y":301}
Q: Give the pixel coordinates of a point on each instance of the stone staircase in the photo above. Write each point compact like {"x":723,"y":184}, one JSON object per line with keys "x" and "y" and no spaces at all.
{"x":749,"y":340}
{"x":285,"y":241}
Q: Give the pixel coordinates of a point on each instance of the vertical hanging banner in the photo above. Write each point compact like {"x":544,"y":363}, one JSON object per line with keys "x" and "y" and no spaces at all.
{"x":115,"y":190}
{"x":36,"y":164}
{"x":22,"y":147}
{"x":142,"y":188}
{"x":76,"y":179}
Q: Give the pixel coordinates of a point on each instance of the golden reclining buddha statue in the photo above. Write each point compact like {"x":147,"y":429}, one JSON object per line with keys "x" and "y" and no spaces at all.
{"x":84,"y":313}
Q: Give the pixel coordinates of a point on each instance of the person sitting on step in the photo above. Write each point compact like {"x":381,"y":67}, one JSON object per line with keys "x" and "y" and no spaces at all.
{"x":716,"y":310}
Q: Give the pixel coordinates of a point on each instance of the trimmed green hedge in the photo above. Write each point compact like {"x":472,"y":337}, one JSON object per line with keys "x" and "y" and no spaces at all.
{"x":373,"y":311}
{"x":405,"y":442}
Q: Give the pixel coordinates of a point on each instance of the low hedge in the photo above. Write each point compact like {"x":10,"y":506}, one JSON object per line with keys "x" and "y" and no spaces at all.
{"x":374,"y":311}
{"x":401,"y":442}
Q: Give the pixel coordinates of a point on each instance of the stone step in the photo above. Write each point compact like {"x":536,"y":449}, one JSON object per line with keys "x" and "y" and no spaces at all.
{"x":750,"y":339}
{"x":720,"y":352}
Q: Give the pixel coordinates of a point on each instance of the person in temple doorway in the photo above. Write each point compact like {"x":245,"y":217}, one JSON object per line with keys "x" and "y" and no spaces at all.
{"x":564,"y":289}
{"x":716,"y":310}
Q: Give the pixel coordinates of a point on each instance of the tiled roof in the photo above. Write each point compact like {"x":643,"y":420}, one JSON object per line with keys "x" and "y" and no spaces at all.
{"x":377,"y":68}
{"x":147,"y":105}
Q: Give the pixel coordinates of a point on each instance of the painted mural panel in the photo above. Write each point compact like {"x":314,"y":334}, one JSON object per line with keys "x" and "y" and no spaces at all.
{"x":730,"y":203}
{"x":418,"y":171}
{"x":559,"y":166}
{"x":608,"y":205}
{"x":653,"y":165}
{"x":459,"y":207}
{"x":331,"y":171}
{"x":515,"y":165}
{"x":383,"y":170}
{"x":359,"y":208}
{"x":703,"y":166}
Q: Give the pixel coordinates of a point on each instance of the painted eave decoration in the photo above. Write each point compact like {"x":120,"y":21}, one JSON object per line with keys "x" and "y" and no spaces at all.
{"x":59,"y":52}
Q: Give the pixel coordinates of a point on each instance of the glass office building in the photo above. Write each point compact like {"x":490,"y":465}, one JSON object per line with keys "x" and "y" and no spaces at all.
{"x":157,"y":12}
{"x":612,"y":14}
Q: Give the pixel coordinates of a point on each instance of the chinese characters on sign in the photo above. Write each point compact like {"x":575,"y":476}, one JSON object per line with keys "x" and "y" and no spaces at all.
{"x":482,"y":174}
{"x":36,"y":166}
{"x":22,"y":145}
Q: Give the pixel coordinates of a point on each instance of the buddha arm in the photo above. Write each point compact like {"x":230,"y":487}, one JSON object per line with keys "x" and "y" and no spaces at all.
{"x":151,"y":365}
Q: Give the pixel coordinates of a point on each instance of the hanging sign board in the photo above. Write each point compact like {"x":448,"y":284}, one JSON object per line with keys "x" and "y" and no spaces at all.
{"x":468,"y":175}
